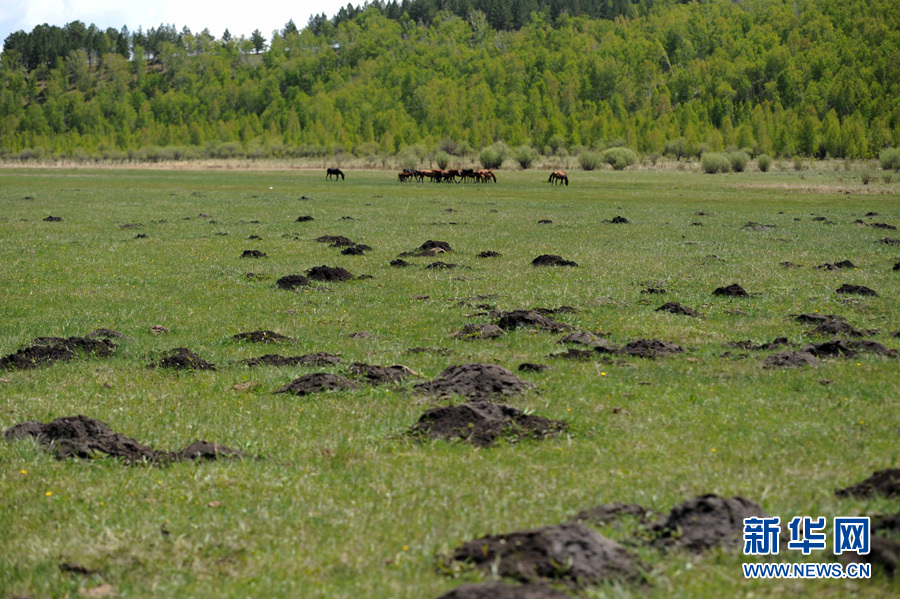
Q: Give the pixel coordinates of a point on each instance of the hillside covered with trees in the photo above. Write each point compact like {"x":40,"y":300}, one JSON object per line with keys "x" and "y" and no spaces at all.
{"x":781,"y":77}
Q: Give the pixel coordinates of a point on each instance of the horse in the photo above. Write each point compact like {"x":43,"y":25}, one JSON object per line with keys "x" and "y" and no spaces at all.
{"x":334,"y":172}
{"x":558,"y":177}
{"x":406,"y":174}
{"x":485,"y":175}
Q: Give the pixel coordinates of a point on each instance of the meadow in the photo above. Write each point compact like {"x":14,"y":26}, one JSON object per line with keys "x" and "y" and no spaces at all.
{"x":341,"y":503}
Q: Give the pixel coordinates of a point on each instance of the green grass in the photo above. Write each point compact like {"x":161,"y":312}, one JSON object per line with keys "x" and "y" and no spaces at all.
{"x":342,"y":505}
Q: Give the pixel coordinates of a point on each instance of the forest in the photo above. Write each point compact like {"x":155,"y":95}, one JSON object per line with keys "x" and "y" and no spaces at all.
{"x":812,"y":78}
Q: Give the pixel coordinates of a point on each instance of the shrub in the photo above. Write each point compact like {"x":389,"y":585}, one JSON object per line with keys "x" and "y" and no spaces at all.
{"x":449,"y":146}
{"x":890,"y":159}
{"x":677,"y":148}
{"x":590,"y":160}
{"x":525,"y":156}
{"x":738,"y":160}
{"x":442,"y":159}
{"x":712,"y":163}
{"x":409,"y":160}
{"x":493,"y":156}
{"x":886,"y":177}
{"x":865,"y":177}
{"x":765,"y":162}
{"x":619,"y":157}
{"x":798,"y":163}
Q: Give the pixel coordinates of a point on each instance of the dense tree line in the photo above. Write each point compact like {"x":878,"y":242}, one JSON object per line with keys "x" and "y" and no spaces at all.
{"x":781,"y":77}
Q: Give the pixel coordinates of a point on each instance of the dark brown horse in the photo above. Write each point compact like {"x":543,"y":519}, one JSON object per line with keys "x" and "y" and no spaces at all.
{"x":334,"y":172}
{"x":558,"y":177}
{"x":486,"y":175}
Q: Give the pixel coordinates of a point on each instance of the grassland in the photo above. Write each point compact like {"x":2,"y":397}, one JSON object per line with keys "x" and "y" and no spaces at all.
{"x":342,"y":505}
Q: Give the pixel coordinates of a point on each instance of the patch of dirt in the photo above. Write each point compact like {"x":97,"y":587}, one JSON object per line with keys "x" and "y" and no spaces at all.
{"x":482,"y":423}
{"x":569,"y":552}
{"x":676,"y":308}
{"x":607,"y":513}
{"x":651,"y":348}
{"x":316,"y":359}
{"x":733,"y":290}
{"x":545,"y":221}
{"x":398,"y":263}
{"x":379,"y":375}
{"x":816,"y":318}
{"x":790,"y":359}
{"x":431,"y":245}
{"x":304,"y":219}
{"x":361,"y":335}
{"x":889,"y":241}
{"x":488,"y":254}
{"x":883,"y":483}
{"x":83,"y":437}
{"x":442,"y":265}
{"x":774,"y":344}
{"x":479,"y":331}
{"x":575,"y":354}
{"x":53,"y":219}
{"x":896,"y":266}
{"x":883,"y":226}
{"x":181,"y":358}
{"x":140,"y":236}
{"x":836,"y":327}
{"x":474,"y":381}
{"x":883,"y":553}
{"x":847,"y":349}
{"x":754,"y":226}
{"x":353,"y":250}
{"x":46,"y":350}
{"x":316,"y":383}
{"x":262,"y":337}
{"x":292,"y":282}
{"x":653,"y":290}
{"x":502,"y":590}
{"x":158,"y":329}
{"x":552,"y":260}
{"x":790,"y":265}
{"x":705,"y":522}
{"x":857,"y":289}
{"x":532,"y":367}
{"x":525,"y":318}
{"x":618,"y":220}
{"x":581,"y":338}
{"x":836,"y":265}
{"x":336,"y":240}
{"x":329,"y":273}
{"x":131,"y":226}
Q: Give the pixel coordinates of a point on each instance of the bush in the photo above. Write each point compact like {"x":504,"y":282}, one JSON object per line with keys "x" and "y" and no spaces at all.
{"x":619,"y":157}
{"x":442,"y":159}
{"x":449,"y":146}
{"x":409,"y":160}
{"x":798,"y":163}
{"x":890,"y":159}
{"x":886,"y":177}
{"x":765,"y":162}
{"x":525,"y":156}
{"x":865,"y":178}
{"x":738,"y":160}
{"x":493,"y":156}
{"x":712,"y":163}
{"x":590,"y":160}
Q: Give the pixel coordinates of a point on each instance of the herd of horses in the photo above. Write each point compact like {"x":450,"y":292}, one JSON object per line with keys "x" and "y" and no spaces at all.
{"x":454,"y":175}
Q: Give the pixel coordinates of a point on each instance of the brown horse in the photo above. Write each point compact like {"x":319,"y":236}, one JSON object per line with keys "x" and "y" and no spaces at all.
{"x":486,"y":174}
{"x":334,"y":172}
{"x":558,"y":177}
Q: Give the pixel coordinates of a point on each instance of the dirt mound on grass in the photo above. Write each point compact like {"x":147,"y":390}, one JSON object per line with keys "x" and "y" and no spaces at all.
{"x":705,"y":522}
{"x":336,"y":240}
{"x":53,"y":219}
{"x":857,"y":289}
{"x":836,"y":265}
{"x":568,"y":552}
{"x":479,"y":331}
{"x":676,"y":308}
{"x":261,"y":337}
{"x":481,"y":423}
{"x":883,"y":226}
{"x":889,"y":241}
{"x":733,"y":290}
{"x":502,"y":590}
{"x":790,"y":359}
{"x":575,"y":354}
{"x":836,"y":327}
{"x":181,"y":358}
{"x":581,"y":338}
{"x":552,"y":260}
{"x":653,"y":290}
{"x":488,"y":254}
{"x":379,"y":375}
{"x":526,"y":318}
{"x":754,"y":226}
{"x":329,"y":273}
{"x":884,"y":483}
{"x":316,"y":383}
{"x":651,"y":348}
{"x":847,"y":349}
{"x":292,"y":282}
{"x":253,"y":254}
{"x":398,"y":263}
{"x":431,"y":244}
{"x":618,"y":220}
{"x":883,"y":553}
{"x":816,"y":318}
{"x":789,"y":265}
{"x":316,"y":359}
{"x":774,"y":344}
{"x":532,"y":367}
{"x":354,"y":250}
{"x":474,"y":381}
{"x":304,"y":219}
{"x":83,"y":437}
{"x":442,"y":265}
{"x":46,"y":350}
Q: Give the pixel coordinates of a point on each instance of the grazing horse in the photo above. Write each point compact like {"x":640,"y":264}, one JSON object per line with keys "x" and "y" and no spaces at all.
{"x":406,"y":174}
{"x":486,"y":174}
{"x":558,"y":177}
{"x":334,"y":172}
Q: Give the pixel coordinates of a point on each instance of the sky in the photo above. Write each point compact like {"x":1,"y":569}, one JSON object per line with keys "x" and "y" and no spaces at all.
{"x":240,"y":18}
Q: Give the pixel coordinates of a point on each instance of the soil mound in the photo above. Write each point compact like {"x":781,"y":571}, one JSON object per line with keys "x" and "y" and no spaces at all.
{"x":883,"y":553}
{"x":253,"y":254}
{"x":355,"y":250}
{"x":83,"y":437}
{"x":882,"y":483}
{"x":816,"y":318}
{"x":534,"y":320}
{"x":482,"y":423}
{"x":836,"y":265}
{"x":789,"y":265}
{"x":488,"y":254}
{"x":545,"y":221}
{"x":847,"y":349}
{"x":336,"y":240}
{"x":479,"y":331}
{"x":474,"y":381}
{"x":889,"y":241}
{"x":379,"y":375}
{"x":774,"y":344}
{"x":329,"y":273}
{"x":575,"y":354}
{"x":105,"y":334}
{"x":53,"y":219}
{"x":181,"y":358}
{"x":790,"y":359}
{"x":441,"y":265}
{"x":651,"y":348}
{"x":398,"y":263}
{"x":857,"y":289}
{"x":361,"y":335}
{"x":292,"y":282}
{"x":431,"y":245}
{"x":653,"y":290}
{"x":883,"y":226}
{"x":836,"y":327}
{"x":602,"y":515}
{"x":261,"y":337}
{"x":754,"y":226}
{"x":532,"y":367}
{"x":733,"y":290}
{"x":304,"y":219}
{"x":316,"y":359}
{"x":581,"y":338}
{"x":46,"y":350}
{"x":502,"y":590}
{"x":706,"y":521}
{"x":316,"y":383}
{"x":618,"y":220}
{"x":552,"y":260}
{"x":676,"y":308}
{"x":569,"y":552}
